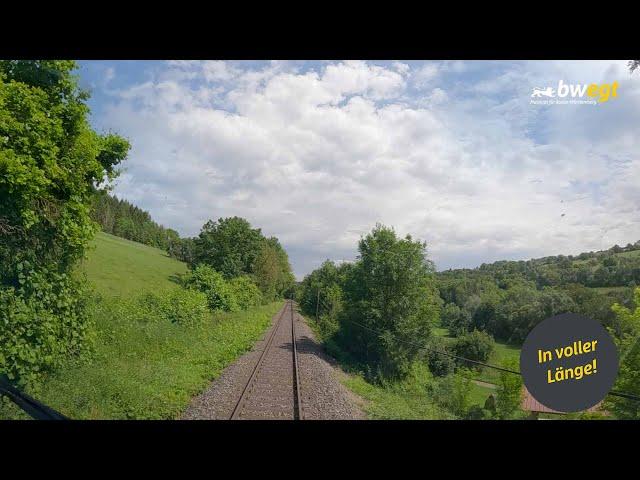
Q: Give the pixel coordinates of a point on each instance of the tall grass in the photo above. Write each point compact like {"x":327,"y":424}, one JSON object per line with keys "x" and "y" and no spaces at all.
{"x":145,"y":366}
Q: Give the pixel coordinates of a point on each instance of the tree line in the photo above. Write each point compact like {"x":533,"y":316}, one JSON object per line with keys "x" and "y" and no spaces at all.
{"x":123,"y":219}
{"x":235,"y":265}
{"x":379,"y":313}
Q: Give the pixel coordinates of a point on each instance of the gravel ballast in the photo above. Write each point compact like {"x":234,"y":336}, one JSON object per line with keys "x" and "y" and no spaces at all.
{"x":323,"y":396}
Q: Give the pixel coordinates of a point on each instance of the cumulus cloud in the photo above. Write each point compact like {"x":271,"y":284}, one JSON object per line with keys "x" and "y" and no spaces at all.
{"x":318,"y":155}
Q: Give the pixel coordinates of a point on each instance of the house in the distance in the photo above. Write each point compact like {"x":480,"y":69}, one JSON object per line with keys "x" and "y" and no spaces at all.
{"x":535,"y":408}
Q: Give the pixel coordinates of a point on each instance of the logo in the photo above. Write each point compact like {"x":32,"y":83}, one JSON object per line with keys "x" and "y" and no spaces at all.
{"x":575,"y":94}
{"x":538,"y":92}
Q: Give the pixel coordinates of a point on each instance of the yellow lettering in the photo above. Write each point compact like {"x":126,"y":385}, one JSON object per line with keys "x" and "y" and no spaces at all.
{"x":605,"y":91}
{"x":592,"y":90}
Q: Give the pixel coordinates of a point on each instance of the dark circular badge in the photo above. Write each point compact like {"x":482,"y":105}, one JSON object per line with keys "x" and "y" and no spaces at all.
{"x":569,"y":362}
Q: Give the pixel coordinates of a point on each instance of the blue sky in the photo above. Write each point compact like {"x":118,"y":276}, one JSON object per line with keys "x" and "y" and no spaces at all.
{"x":316,"y":153}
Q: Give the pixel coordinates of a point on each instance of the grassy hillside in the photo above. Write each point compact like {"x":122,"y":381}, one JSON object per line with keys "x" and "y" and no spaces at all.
{"x":142,"y":367}
{"x":121,"y":267}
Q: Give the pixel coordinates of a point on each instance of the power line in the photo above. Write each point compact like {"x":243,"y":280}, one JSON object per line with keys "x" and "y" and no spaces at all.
{"x":627,"y":396}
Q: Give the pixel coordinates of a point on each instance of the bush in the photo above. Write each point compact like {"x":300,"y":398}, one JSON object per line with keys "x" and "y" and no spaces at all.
{"x":245,"y":291}
{"x":50,"y":163}
{"x":440,"y":365}
{"x":476,"y":346}
{"x":219,"y":294}
{"x":453,"y":393}
{"x":455,"y":319}
{"x":509,"y":393}
{"x":43,"y":323}
{"x":184,"y":307}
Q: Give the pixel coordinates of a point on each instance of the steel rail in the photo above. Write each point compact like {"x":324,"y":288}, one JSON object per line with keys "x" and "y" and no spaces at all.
{"x":296,"y":373}
{"x":256,"y":370}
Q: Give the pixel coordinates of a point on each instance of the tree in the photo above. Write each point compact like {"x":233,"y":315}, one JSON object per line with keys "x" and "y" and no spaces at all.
{"x":229,"y":245}
{"x":50,"y":163}
{"x":455,"y":319}
{"x":633,"y":65}
{"x":390,"y":291}
{"x":627,"y":338}
{"x":267,"y":270}
{"x":475,"y":345}
{"x":509,"y":392}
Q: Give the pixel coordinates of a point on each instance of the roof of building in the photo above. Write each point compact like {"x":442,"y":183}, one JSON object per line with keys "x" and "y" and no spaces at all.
{"x":530,"y":404}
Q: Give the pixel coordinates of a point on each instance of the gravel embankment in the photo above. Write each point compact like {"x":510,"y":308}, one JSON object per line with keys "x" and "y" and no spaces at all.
{"x":324,"y":397}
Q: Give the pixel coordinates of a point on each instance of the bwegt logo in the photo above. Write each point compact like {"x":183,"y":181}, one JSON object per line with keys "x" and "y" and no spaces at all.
{"x":603,"y":92}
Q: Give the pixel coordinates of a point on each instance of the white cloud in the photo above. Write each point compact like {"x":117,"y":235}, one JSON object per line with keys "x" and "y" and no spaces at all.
{"x":317,"y":157}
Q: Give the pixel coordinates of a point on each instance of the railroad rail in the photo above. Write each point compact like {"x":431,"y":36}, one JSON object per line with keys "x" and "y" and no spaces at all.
{"x":273,"y":389}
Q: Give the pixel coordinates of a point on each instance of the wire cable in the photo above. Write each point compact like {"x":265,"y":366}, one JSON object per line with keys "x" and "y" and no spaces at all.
{"x":628,"y":396}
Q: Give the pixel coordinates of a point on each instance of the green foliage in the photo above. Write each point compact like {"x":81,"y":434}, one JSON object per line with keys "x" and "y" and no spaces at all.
{"x":476,"y":345}
{"x":145,"y":366}
{"x":230,"y":246}
{"x":320,"y":296}
{"x":43,"y":323}
{"x":123,"y":219}
{"x":210,"y":282}
{"x":509,"y":393}
{"x":455,"y":319}
{"x":182,"y":306}
{"x":245,"y":291}
{"x":406,"y":399}
{"x":390,"y":291}
{"x":453,"y":393}
{"x":233,"y":248}
{"x":440,"y":365}
{"x":508,"y":298}
{"x":627,"y":338}
{"x":50,"y":163}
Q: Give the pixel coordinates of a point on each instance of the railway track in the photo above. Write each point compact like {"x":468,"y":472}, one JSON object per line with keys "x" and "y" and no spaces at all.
{"x":273,"y":389}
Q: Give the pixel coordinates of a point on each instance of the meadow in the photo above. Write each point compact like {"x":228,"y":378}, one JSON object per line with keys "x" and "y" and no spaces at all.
{"x":142,"y":366}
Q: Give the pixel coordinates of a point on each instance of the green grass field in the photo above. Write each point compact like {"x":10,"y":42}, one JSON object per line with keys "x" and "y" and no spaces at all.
{"x":116,"y":266}
{"x":502,"y":354}
{"x":142,"y":367}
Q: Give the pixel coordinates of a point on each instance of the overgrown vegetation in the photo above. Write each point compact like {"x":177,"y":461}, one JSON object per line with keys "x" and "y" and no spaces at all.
{"x":233,"y":248}
{"x":105,"y":352}
{"x":627,"y":337}
{"x":155,"y":344}
{"x":367,"y":316}
{"x":50,"y":163}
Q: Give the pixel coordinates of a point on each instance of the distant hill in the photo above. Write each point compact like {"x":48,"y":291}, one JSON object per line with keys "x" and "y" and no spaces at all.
{"x":508,"y":298}
{"x":116,"y":266}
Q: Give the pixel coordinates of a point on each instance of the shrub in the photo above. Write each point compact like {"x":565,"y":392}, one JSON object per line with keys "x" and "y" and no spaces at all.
{"x":210,"y":282}
{"x":440,"y":365}
{"x":453,"y":393}
{"x":509,"y":393}
{"x":43,"y":323}
{"x":50,"y":163}
{"x":245,"y":291}
{"x":184,"y":307}
{"x":475,"y":345}
{"x":455,"y":319}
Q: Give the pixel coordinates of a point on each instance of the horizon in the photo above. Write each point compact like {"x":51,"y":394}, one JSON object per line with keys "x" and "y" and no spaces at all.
{"x":316,"y":153}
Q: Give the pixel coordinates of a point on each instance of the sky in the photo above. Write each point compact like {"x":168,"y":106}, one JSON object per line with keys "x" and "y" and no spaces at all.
{"x":317,"y":153}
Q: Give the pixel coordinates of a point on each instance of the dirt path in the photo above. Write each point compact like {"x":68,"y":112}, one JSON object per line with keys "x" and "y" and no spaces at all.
{"x":322,"y":394}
